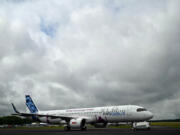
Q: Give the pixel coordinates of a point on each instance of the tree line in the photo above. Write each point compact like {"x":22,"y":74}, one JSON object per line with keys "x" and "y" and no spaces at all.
{"x":13,"y":120}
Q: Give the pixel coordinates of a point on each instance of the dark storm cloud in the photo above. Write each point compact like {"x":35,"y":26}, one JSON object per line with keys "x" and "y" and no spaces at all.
{"x":90,"y":54}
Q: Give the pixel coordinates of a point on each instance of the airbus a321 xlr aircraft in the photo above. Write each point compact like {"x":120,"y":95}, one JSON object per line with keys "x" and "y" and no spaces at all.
{"x":78,"y":118}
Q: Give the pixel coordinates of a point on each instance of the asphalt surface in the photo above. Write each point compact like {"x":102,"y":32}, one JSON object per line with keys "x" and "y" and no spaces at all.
{"x":94,"y":131}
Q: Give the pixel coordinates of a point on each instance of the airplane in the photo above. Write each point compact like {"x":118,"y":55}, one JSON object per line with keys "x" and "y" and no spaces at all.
{"x":79,"y":118}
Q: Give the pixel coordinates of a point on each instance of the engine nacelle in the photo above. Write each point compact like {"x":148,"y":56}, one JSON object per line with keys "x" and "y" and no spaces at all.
{"x":50,"y":120}
{"x":77,"y":123}
{"x":100,"y":125}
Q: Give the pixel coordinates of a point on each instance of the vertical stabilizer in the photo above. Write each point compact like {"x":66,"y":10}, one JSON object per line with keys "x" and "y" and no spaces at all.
{"x":30,"y":104}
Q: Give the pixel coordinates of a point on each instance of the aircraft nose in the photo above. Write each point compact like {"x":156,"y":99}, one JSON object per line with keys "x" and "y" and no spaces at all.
{"x":150,"y":115}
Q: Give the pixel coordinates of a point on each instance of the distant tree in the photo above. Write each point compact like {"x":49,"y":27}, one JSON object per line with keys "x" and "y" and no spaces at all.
{"x":13,"y":120}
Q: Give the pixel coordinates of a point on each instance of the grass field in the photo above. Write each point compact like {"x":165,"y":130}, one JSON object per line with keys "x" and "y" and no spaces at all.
{"x":45,"y":127}
{"x":166,"y":124}
{"x":163,"y":124}
{"x":121,"y":126}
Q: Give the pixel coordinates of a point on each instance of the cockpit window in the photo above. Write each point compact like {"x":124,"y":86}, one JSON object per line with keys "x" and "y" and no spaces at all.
{"x":141,"y":109}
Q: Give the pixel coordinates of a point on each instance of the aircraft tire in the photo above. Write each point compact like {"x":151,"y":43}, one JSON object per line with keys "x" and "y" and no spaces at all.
{"x":67,"y":128}
{"x":84,"y":128}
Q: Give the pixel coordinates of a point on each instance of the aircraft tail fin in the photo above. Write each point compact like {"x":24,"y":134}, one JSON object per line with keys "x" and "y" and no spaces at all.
{"x":30,"y":104}
{"x":14,"y":108}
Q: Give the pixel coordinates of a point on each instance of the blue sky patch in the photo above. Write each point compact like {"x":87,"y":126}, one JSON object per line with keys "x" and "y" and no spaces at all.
{"x":48,"y":29}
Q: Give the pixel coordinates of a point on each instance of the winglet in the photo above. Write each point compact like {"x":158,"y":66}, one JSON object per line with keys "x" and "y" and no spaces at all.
{"x":14,"y":108}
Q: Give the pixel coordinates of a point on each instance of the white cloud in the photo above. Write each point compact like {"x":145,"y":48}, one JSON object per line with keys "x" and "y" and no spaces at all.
{"x":96,"y":53}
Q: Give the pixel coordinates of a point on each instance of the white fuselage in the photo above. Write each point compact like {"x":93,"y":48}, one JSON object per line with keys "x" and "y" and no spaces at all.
{"x":125,"y":113}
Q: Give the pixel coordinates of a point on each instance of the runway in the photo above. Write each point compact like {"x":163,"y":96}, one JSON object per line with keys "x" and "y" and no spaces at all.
{"x":93,"y":131}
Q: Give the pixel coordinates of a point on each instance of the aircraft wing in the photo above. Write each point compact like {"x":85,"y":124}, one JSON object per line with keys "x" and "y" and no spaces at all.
{"x":66,"y":118}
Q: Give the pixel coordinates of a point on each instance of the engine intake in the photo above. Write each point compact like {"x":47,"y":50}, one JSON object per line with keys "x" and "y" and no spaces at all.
{"x":78,"y":123}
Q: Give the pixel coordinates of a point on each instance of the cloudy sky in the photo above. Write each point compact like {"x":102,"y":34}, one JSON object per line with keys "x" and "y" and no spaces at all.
{"x":88,"y":53}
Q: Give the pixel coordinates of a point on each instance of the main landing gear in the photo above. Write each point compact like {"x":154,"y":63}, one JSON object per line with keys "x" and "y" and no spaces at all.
{"x":84,"y":128}
{"x":68,"y":128}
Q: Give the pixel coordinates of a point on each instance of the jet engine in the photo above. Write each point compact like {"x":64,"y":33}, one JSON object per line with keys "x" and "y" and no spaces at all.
{"x":78,"y":123}
{"x":50,"y":120}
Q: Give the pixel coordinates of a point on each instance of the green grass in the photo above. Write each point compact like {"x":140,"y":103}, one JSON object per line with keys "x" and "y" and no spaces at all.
{"x":121,"y":126}
{"x":166,"y":124}
{"x":163,"y":124}
{"x":60,"y":127}
{"x":48,"y":128}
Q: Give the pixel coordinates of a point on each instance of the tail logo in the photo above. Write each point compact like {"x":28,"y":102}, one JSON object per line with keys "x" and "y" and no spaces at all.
{"x":30,"y":104}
